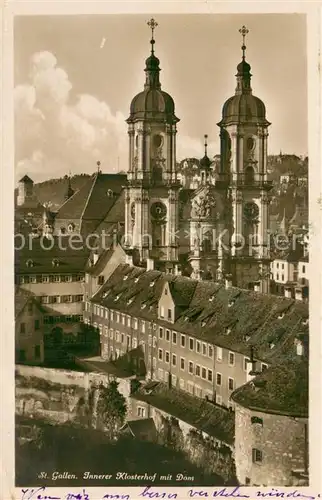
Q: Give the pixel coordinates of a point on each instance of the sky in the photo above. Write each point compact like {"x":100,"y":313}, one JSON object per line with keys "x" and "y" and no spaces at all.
{"x":75,"y":77}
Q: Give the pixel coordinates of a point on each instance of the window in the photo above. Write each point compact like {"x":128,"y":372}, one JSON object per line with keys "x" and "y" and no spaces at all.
{"x":37,"y":324}
{"x":134,"y":343}
{"x":231,"y":359}
{"x":282,"y":277}
{"x":203,"y":373}
{"x":174,"y":360}
{"x":210,"y":375}
{"x":181,"y":383}
{"x":218,"y":378}
{"x":246,"y":364}
{"x":183,"y":341}
{"x":143,"y":327}
{"x":150,"y":339}
{"x":154,"y":362}
{"x":282,"y":266}
{"x":128,"y":321}
{"x":37,"y":351}
{"x":264,"y":367}
{"x":190,"y":387}
{"x":190,"y":367}
{"x":165,"y":291}
{"x":198,"y":347}
{"x":111,"y":333}
{"x":167,"y":357}
{"x":100,"y":280}
{"x":277,"y":265}
{"x":230,"y":384}
{"x":167,"y":335}
{"x":198,"y":370}
{"x":160,"y":354}
{"x":198,"y":391}
{"x":191,"y":344}
{"x":141,"y":411}
{"x":218,"y":399}
{"x":160,"y":374}
{"x":117,"y":317}
{"x":204,"y":349}
{"x":123,"y":319}
{"x":160,"y":333}
{"x":303,"y":269}
{"x":256,"y":420}
{"x":22,"y":355}
{"x":128,"y":341}
{"x":66,"y":298}
{"x":277,"y":277}
{"x":182,"y":363}
{"x":174,"y":380}
{"x":154,"y":341}
{"x":162,"y":312}
{"x":257,"y":456}
{"x":219,"y":354}
{"x":22,"y":328}
{"x":169,"y":314}
{"x":174,"y":337}
{"x":33,"y":279}
{"x":79,"y":298}
{"x":56,"y":278}
{"x":135,"y":323}
{"x":210,"y":351}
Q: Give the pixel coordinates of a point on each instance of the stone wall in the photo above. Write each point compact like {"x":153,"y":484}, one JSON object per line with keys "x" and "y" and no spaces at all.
{"x":59,"y":396}
{"x":199,"y":447}
{"x":282,"y":441}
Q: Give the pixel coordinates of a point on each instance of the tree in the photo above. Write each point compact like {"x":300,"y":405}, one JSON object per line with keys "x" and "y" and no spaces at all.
{"x":111,"y":409}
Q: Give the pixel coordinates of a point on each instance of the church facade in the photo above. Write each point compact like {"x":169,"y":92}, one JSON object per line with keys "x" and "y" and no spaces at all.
{"x":220,"y":228}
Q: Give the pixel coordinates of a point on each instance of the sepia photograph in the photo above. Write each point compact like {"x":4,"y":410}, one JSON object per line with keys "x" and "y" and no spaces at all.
{"x":161,"y":251}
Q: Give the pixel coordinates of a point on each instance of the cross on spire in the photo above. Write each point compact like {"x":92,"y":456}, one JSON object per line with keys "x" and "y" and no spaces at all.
{"x":152,"y":25}
{"x":243,"y":31}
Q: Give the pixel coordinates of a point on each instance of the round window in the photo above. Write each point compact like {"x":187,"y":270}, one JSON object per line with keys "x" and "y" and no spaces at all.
{"x":157,"y":141}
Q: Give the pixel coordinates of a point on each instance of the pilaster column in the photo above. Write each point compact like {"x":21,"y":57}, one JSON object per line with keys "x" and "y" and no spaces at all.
{"x":263,"y":225}
{"x":237,"y":220}
{"x":131,"y":133}
{"x":234,"y":167}
{"x":140,"y":152}
{"x":240,"y":153}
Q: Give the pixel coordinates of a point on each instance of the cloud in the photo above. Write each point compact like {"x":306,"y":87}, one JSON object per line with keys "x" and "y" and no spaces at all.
{"x":55,"y":133}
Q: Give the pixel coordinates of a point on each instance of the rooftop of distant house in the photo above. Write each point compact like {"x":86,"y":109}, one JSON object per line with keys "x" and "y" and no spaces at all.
{"x":52,"y":255}
{"x":214,"y":420}
{"x":282,"y":389}
{"x":231,"y":318}
{"x":22,"y":297}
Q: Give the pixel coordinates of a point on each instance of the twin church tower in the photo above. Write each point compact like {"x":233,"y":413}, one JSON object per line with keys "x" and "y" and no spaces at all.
{"x":219,"y":230}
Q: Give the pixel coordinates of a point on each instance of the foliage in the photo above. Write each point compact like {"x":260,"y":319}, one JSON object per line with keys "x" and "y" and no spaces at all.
{"x":171,"y":434}
{"x":111,"y":409}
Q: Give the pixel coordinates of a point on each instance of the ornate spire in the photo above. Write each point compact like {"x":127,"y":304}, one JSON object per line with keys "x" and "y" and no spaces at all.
{"x":243,"y":68}
{"x":244,"y":31}
{"x":205,"y":161}
{"x":152,"y":24}
{"x":152,"y":69}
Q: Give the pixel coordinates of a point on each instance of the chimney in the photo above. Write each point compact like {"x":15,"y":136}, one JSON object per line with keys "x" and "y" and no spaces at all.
{"x":298,"y":293}
{"x":114,"y":239}
{"x":228,"y":281}
{"x":95,"y":258}
{"x":288,"y":292}
{"x":257,"y":286}
{"x":149,"y":264}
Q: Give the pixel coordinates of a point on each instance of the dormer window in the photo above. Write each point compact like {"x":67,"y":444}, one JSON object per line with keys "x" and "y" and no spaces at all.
{"x":152,"y":283}
{"x":305,"y":322}
{"x":271,"y":345}
{"x":228,"y":331}
{"x":281,"y":315}
{"x":109,"y":193}
{"x":106,"y":294}
{"x":246,"y":338}
{"x":55,"y":262}
{"x":143,"y":306}
{"x":125,"y":277}
{"x":29,"y":263}
{"x":203,"y":323}
{"x":117,"y":297}
{"x":130,"y":301}
{"x":211,"y":298}
{"x":231,"y":303}
{"x":71,"y":227}
{"x":165,"y":291}
{"x":136,"y":280}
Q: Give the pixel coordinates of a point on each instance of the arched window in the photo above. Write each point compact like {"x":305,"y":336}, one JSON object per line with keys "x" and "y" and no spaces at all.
{"x":71,"y":227}
{"x":62,"y":230}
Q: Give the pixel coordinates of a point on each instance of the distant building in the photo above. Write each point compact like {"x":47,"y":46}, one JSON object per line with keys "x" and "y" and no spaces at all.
{"x":28,"y":209}
{"x":29,"y":328}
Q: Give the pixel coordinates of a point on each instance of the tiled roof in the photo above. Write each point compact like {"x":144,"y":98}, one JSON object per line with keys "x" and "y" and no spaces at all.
{"x":141,"y":428}
{"x":25,"y":178}
{"x":36,"y":258}
{"x":215,"y":421}
{"x":281,"y":389}
{"x":231,"y":318}
{"x":94,"y":199}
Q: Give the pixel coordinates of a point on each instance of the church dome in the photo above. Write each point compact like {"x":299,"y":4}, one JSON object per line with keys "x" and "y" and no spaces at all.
{"x":152,"y":102}
{"x":243,"y":108}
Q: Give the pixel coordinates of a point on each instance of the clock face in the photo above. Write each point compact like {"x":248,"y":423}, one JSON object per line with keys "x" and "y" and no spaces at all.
{"x":158,"y":210}
{"x":251,"y":211}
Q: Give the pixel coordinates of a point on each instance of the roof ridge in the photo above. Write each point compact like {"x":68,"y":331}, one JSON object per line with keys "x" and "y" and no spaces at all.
{"x":88,"y":197}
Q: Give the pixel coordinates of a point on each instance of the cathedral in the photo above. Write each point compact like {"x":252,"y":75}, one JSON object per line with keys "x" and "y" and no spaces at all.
{"x":218,"y":230}
{"x":215,"y":227}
